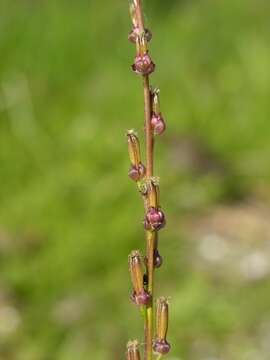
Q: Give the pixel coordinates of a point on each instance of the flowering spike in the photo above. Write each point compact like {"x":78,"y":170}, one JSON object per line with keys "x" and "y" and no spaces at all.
{"x":133,"y":352}
{"x":142,"y":269}
{"x":139,"y":295}
{"x":162,"y":316}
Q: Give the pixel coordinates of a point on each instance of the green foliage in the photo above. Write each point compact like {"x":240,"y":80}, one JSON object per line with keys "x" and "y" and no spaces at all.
{"x":69,"y":214}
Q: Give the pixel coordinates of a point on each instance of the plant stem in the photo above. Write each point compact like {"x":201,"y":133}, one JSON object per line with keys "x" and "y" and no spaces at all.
{"x":150,"y":235}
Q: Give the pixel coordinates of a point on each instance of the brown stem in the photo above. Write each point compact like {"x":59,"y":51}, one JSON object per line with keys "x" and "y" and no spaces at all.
{"x":150,"y":235}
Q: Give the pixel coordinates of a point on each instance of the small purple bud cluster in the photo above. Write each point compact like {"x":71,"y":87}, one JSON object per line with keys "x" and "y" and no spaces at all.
{"x":154,"y":219}
{"x":136,"y":172}
{"x":140,"y":298}
{"x":143,"y":64}
{"x":158,"y":124}
{"x":161,"y":346}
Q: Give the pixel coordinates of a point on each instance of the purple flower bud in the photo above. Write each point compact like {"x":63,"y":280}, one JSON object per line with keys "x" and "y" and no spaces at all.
{"x":157,"y":259}
{"x":135,"y":33}
{"x":143,"y":64}
{"x":161,"y":346}
{"x":141,"y":298}
{"x":136,"y":173}
{"x":154,"y":219}
{"x":158,"y":123}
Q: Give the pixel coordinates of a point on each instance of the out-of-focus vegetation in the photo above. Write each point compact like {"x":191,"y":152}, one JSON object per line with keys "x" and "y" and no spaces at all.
{"x":69,"y":215}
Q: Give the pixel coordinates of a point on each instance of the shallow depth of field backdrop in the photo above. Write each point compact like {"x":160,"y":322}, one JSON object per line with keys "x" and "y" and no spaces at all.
{"x":69,"y":214}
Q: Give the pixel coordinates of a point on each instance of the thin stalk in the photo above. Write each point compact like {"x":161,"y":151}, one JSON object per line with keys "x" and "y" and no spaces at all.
{"x":150,"y":235}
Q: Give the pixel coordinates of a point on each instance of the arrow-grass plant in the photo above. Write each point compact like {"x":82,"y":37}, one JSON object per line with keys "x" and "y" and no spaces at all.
{"x":142,"y":268}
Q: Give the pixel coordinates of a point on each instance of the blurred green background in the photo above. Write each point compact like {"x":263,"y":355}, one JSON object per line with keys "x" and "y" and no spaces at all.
{"x":69,"y":215}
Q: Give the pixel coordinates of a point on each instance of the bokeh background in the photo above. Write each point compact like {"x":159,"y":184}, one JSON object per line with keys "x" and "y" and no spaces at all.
{"x":69,"y":214}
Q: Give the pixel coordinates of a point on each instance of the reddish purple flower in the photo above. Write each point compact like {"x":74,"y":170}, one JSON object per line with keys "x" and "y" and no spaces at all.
{"x":135,"y":32}
{"x":141,"y":298}
{"x":143,"y":64}
{"x":154,"y":219}
{"x":158,"y":123}
{"x":136,"y":173}
{"x":161,"y":346}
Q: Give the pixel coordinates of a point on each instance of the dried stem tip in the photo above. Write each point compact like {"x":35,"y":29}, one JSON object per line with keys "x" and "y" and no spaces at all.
{"x":162,"y":316}
{"x":137,"y":169}
{"x":139,"y":295}
{"x":153,"y":192}
{"x":133,"y":351}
